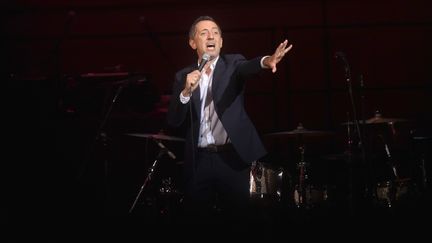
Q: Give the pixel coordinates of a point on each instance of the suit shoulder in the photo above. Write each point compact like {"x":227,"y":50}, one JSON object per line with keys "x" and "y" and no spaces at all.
{"x":233,"y":57}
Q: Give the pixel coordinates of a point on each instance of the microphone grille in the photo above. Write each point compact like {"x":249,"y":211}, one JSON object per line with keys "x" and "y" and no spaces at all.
{"x":339,"y":54}
{"x":205,"y":57}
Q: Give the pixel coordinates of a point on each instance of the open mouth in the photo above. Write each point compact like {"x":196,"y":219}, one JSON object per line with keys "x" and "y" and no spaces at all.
{"x":210,"y":46}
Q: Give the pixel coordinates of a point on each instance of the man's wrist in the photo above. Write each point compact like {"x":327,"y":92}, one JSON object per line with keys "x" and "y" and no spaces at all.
{"x":186,"y":94}
{"x":185,"y":98}
{"x":263,"y":65}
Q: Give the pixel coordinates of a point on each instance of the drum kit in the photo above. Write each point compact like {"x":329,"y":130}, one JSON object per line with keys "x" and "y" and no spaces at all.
{"x":267,"y":180}
{"x":387,"y":187}
{"x":304,"y":194}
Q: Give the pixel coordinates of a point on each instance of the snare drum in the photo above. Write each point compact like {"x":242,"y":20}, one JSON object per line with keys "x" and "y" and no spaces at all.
{"x":265,"y":182}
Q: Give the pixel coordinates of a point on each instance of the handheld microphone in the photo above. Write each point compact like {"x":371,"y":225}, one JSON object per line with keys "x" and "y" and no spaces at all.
{"x":342,"y":56}
{"x":205,"y":58}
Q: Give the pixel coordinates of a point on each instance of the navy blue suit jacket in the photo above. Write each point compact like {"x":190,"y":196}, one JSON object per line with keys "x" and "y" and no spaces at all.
{"x":229,"y":77}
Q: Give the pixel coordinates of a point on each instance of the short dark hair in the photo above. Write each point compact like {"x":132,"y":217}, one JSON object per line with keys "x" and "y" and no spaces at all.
{"x":192,"y":29}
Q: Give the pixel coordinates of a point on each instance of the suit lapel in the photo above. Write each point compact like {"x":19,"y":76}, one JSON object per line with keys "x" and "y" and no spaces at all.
{"x":219,"y":83}
{"x":196,"y":100}
{"x":196,"y":93}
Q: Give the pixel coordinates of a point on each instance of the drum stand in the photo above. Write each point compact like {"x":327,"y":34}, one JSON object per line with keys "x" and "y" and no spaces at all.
{"x":393,"y":182}
{"x":162,"y":151}
{"x":390,"y":162}
{"x":300,"y":193}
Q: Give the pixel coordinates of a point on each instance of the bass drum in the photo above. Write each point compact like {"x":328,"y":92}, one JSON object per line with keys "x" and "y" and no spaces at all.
{"x":265,"y":181}
{"x":389,"y":193}
{"x":312,"y":196}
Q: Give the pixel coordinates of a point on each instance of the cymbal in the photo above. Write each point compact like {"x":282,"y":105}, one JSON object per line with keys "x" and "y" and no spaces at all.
{"x":156,"y":136}
{"x":378,"y":119}
{"x":422,"y":138}
{"x":300,"y":131}
{"x":351,"y":123}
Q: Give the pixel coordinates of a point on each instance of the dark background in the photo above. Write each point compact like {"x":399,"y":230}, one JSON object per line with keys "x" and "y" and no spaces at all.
{"x":61,"y":173}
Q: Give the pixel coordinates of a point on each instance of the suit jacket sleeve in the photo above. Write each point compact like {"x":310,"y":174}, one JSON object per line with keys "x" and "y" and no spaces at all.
{"x":177,"y":110}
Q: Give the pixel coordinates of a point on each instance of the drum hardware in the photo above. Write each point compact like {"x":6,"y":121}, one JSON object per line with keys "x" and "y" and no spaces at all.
{"x":167,"y":186}
{"x":169,"y":197}
{"x":396,"y":188}
{"x":265,"y":182}
{"x":377,"y":119}
{"x":390,"y":192}
{"x":304,"y":194}
{"x":424,"y":175}
{"x":422,"y":143}
{"x":300,"y":190}
{"x":348,"y":157}
{"x":390,"y":162}
{"x":163,"y":150}
{"x":313,"y":195}
{"x":307,"y":195}
{"x":379,"y":190}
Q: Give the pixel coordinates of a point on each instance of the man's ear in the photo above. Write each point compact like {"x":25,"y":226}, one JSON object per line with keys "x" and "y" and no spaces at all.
{"x":192,"y":44}
{"x":221,"y":42}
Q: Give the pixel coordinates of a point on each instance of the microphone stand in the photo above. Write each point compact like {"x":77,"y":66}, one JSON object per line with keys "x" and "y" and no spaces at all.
{"x":101,"y":136}
{"x":368,"y":192}
{"x":349,"y":153}
{"x":356,"y":122}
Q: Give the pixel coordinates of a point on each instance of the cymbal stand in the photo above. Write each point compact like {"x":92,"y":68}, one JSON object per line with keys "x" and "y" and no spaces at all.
{"x":350,"y":165}
{"x":362,"y":140}
{"x":302,"y":178}
{"x":395,"y":176}
{"x":420,"y":150}
{"x":391,"y":163}
{"x":424,"y":175}
{"x":162,"y":151}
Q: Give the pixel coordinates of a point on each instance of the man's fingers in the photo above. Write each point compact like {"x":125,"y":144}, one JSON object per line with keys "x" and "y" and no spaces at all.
{"x":288,"y":48}
{"x":283,"y":44}
{"x":195,"y":83}
{"x":282,"y":49}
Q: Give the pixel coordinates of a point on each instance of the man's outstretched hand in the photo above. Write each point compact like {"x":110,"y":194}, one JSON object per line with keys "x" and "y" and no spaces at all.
{"x":273,"y":60}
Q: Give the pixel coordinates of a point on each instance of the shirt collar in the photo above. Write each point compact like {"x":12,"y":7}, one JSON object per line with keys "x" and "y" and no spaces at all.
{"x":213,"y":64}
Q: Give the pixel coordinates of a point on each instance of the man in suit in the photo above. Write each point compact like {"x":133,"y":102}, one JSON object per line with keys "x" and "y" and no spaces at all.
{"x":221,"y":141}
